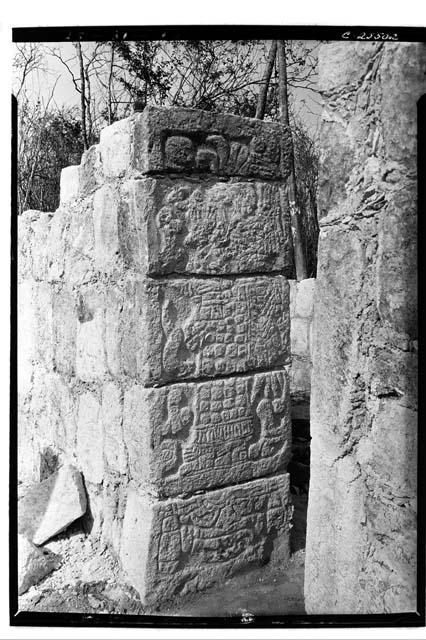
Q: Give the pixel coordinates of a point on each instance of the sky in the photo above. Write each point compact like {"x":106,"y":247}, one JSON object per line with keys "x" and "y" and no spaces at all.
{"x":40,"y":83}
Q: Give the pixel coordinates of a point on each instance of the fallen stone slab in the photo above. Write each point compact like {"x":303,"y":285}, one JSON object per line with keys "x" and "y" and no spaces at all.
{"x":51,"y":506}
{"x":179,"y":546}
{"x":33,"y":564}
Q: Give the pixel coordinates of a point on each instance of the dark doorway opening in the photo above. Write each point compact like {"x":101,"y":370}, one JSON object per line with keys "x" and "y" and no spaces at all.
{"x":299,"y":470}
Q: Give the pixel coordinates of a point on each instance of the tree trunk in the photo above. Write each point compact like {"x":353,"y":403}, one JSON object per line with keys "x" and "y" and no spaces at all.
{"x":89,"y":126}
{"x":82,"y":96}
{"x":263,"y":93}
{"x":110,"y":77}
{"x":299,"y":254}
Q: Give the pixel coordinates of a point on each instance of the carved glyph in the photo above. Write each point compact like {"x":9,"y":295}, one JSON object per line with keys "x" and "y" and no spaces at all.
{"x":215,"y":228}
{"x":222,"y":154}
{"x":219,"y":326}
{"x":219,"y":432}
{"x":197,"y":541}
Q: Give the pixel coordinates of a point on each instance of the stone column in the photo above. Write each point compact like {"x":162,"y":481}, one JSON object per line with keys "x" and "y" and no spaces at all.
{"x":301,"y":321}
{"x":361,"y":532}
{"x":173,"y":245}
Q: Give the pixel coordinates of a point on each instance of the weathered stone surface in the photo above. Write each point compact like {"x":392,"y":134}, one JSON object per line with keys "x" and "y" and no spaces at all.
{"x":33,"y":564}
{"x":33,"y":233}
{"x":79,"y":244}
{"x":29,"y":338}
{"x":106,"y":205}
{"x":361,"y":534}
{"x":300,"y":379}
{"x":304,"y":298}
{"x":178,"y":226}
{"x":147,"y":372}
{"x":64,"y":331}
{"x":213,"y":327}
{"x":56,"y":245}
{"x":90,"y":353}
{"x":300,"y":336}
{"x":25,"y":245}
{"x":301,"y":324}
{"x":91,"y":176}
{"x":180,"y":546}
{"x":90,"y":438}
{"x":70,"y":184}
{"x":112,"y":422}
{"x":186,"y":437}
{"x":191,"y":141}
{"x":51,"y":506}
{"x":175,"y":329}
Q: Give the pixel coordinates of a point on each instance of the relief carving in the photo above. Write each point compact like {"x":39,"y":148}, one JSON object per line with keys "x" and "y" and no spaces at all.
{"x":225,"y":526}
{"x":220,"y":228}
{"x":220,"y":326}
{"x":220,"y":155}
{"x":226,"y":430}
{"x":179,"y":153}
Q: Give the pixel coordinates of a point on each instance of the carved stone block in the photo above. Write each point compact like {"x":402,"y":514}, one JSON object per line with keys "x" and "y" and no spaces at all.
{"x":180,"y":546}
{"x":187,"y":437}
{"x":190,"y":141}
{"x":178,"y":329}
{"x":69,"y":183}
{"x":178,"y":226}
{"x":90,"y":171}
{"x":217,"y":326}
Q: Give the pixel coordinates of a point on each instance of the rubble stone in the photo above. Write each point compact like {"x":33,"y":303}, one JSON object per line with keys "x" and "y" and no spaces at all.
{"x":51,"y":506}
{"x":33,"y":564}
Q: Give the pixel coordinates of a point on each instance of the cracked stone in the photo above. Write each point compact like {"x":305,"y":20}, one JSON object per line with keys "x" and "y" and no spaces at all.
{"x":52,"y":505}
{"x":33,"y":564}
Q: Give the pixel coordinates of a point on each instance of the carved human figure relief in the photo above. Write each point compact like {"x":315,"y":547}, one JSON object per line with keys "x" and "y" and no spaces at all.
{"x":175,"y":352}
{"x":175,"y":429}
{"x":270,"y":410}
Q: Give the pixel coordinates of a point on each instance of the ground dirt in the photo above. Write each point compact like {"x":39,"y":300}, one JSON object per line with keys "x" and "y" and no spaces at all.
{"x":90,"y":581}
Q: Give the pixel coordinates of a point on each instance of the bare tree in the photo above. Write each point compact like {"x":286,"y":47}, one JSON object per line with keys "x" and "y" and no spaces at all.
{"x":299,"y":255}
{"x":82,"y":91}
{"x":83,"y":67}
{"x":29,"y":57}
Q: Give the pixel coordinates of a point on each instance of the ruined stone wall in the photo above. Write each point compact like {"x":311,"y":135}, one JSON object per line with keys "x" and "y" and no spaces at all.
{"x":301,"y":344}
{"x":361,"y":532}
{"x":154,"y":336}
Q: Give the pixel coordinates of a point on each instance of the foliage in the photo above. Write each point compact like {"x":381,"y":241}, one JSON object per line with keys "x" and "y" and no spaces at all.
{"x":306,"y":157}
{"x":214,"y":75}
{"x":49,"y":140}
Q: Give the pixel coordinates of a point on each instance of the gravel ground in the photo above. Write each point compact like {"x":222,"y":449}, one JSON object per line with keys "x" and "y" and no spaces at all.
{"x":90,"y":581}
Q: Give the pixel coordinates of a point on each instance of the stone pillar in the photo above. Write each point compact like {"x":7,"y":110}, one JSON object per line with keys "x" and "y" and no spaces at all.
{"x":169,"y":253}
{"x":361,"y":531}
{"x":301,"y":345}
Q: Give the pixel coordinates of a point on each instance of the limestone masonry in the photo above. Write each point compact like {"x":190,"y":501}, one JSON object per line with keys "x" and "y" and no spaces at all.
{"x":301,"y":341}
{"x":154,"y":344}
{"x":362,"y":510}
